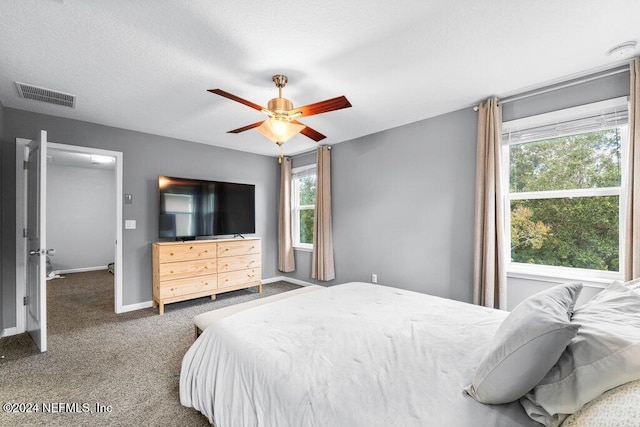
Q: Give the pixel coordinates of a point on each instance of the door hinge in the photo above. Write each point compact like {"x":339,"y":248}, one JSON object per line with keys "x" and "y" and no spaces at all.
{"x":25,"y":233}
{"x":25,"y":165}
{"x":25,"y":300}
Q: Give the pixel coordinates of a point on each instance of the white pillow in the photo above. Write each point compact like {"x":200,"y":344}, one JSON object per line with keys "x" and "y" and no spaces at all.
{"x":604,"y":355}
{"x":526,"y":345}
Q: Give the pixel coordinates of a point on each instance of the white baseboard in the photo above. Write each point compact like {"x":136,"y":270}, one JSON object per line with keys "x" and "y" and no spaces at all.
{"x":147,"y":304}
{"x":286,"y":279}
{"x":79,"y":270}
{"x":134,"y":307}
{"x":9,"y":331}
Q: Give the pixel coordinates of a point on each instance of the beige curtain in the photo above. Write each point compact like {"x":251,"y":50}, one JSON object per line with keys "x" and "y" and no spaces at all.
{"x":322,"y":266}
{"x":286,"y":261}
{"x":489,"y":275}
{"x":632,"y":227}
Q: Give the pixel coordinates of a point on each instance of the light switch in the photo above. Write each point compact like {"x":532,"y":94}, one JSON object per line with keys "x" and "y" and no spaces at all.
{"x":128,"y":199}
{"x":130,"y":224}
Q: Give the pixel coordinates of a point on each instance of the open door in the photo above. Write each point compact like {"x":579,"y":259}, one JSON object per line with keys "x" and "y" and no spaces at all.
{"x":36,"y":289}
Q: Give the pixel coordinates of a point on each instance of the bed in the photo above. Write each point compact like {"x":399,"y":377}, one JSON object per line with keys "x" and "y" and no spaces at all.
{"x":364,"y":355}
{"x":350,"y":355}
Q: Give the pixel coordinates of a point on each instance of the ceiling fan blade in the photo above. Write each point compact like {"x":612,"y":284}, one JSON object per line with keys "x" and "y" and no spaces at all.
{"x":242,"y":129}
{"x":321,"y":107}
{"x":310,"y":132}
{"x":236,"y":98}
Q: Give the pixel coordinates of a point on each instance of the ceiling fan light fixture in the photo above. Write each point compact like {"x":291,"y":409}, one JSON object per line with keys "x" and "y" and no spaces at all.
{"x":279,"y":130}
{"x":280,"y":105}
{"x":281,"y":124}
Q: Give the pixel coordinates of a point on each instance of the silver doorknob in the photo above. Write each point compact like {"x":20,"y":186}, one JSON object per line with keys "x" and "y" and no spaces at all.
{"x":36,"y":252}
{"x":51,"y":252}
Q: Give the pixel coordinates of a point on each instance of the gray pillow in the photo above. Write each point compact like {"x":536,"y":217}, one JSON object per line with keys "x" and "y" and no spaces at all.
{"x":526,"y":345}
{"x":604,"y":354}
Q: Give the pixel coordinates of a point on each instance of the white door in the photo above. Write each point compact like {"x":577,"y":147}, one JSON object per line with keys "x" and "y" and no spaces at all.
{"x":36,"y":290}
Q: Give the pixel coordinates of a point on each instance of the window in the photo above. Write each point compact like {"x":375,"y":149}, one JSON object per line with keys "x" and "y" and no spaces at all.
{"x":303,"y":205}
{"x":565,"y":189}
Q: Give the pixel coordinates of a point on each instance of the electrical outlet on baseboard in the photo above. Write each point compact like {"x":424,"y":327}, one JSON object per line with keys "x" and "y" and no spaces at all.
{"x":374,"y":278}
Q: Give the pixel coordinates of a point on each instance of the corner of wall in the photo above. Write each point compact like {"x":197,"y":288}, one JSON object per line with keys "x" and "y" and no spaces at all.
{"x":2,"y":219}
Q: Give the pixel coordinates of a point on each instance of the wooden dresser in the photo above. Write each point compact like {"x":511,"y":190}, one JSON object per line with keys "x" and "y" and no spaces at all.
{"x":197,"y":268}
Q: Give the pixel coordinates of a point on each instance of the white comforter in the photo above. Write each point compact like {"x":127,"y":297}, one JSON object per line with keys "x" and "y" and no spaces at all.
{"x":350,"y":355}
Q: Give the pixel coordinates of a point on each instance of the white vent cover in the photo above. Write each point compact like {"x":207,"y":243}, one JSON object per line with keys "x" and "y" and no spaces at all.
{"x":46,"y":95}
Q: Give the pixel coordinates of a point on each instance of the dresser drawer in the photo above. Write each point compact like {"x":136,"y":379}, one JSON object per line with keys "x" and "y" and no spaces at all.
{"x":186,"y":251}
{"x":241,"y":262}
{"x":180,"y":287}
{"x":184,"y":269}
{"x":237,"y":278}
{"x":226,"y":249}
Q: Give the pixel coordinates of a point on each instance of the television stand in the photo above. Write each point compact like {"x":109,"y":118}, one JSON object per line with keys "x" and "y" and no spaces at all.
{"x":238,"y":235}
{"x":188,"y":270}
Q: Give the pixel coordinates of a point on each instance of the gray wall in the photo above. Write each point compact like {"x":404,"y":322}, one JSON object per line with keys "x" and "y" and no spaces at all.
{"x":2,"y":222}
{"x":145,"y":157}
{"x":594,"y":91}
{"x":403,"y":207}
{"x":81,"y":210}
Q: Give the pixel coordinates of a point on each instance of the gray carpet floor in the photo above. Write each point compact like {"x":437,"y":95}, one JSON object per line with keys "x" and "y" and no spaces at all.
{"x":129,"y":362}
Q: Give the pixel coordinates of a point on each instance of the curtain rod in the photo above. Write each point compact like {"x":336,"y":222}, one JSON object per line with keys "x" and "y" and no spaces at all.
{"x":563,"y":85}
{"x":307,"y":152}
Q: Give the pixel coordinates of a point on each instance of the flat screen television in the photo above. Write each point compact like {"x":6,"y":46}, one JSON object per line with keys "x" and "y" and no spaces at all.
{"x":191,"y":208}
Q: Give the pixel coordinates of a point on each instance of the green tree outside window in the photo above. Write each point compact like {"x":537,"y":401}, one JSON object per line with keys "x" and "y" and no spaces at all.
{"x":304,"y":207}
{"x":579,"y":232}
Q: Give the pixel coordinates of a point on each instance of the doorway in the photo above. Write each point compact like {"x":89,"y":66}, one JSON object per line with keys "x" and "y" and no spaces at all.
{"x":68,"y":152}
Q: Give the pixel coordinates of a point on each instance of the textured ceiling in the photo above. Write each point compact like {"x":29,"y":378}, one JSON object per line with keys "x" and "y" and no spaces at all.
{"x":146,"y":65}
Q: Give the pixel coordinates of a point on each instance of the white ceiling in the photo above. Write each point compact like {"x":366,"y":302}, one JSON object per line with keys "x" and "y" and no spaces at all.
{"x":146,"y":65}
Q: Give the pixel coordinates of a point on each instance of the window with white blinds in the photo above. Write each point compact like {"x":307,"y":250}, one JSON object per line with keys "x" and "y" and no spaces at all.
{"x":565,"y":189}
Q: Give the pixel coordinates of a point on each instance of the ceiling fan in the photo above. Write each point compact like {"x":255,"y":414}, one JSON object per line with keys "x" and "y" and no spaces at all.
{"x":281,"y":125}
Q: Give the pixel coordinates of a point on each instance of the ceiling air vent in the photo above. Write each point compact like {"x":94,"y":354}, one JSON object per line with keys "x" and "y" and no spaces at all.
{"x":46,"y":95}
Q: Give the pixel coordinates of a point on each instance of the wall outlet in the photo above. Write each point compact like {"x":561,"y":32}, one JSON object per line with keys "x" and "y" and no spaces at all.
{"x":130,"y":224}
{"x":374,"y":278}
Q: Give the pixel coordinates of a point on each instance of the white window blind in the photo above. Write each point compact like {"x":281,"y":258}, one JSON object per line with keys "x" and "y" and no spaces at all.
{"x":586,"y":118}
